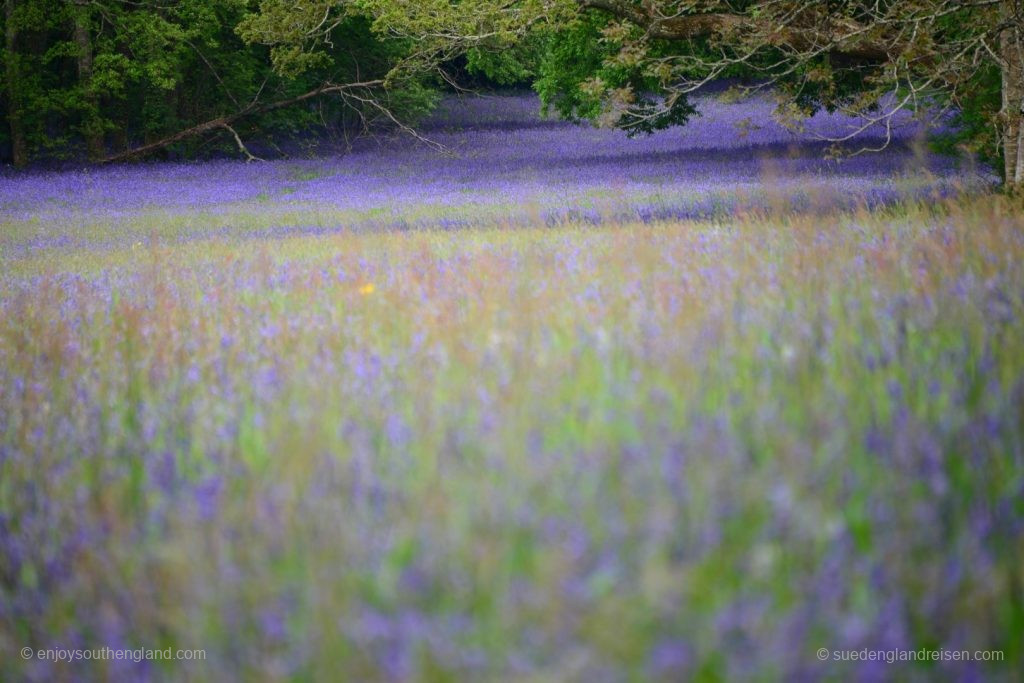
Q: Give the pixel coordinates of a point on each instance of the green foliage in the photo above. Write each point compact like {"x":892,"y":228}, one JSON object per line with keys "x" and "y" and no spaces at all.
{"x":583,"y":63}
{"x":146,"y":70}
{"x":284,"y":26}
{"x":153,"y":69}
{"x":972,"y":130}
{"x":572,"y":56}
{"x":511,"y":67}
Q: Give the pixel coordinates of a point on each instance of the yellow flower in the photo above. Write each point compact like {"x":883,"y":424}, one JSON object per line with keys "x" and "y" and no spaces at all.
{"x":366,"y":289}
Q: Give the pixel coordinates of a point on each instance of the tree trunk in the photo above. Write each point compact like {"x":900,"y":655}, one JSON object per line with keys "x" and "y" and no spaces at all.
{"x":19,"y":148}
{"x":92,"y":127}
{"x":1012,"y":56}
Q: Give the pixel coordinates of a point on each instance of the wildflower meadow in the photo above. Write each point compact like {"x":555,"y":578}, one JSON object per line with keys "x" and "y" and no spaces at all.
{"x":525,"y":401}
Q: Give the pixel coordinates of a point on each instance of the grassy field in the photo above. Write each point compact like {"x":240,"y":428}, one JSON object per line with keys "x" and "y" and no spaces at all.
{"x":625,"y":451}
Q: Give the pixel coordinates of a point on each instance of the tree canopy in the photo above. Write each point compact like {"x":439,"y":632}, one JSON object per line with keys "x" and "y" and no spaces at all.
{"x":634,"y":63}
{"x":118,"y":78}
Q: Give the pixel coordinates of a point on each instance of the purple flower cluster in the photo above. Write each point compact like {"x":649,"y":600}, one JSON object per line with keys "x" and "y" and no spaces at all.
{"x":499,"y":162}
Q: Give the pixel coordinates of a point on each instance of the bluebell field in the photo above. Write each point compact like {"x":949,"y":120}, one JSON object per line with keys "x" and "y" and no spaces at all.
{"x":543,"y":403}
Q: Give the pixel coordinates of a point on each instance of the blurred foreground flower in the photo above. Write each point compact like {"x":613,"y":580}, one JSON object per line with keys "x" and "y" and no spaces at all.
{"x":366,"y":289}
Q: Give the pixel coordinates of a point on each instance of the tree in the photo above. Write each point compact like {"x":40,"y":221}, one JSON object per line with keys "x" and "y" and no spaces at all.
{"x":1011,"y":65}
{"x":121,"y":79}
{"x":12,"y":74}
{"x":870,"y":58}
{"x":873,"y":58}
{"x":176,"y":74}
{"x":92,"y":125}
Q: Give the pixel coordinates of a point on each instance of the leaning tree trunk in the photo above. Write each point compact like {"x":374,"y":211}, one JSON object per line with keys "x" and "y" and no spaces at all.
{"x":1012,"y":57}
{"x":93,"y":125}
{"x":19,"y":148}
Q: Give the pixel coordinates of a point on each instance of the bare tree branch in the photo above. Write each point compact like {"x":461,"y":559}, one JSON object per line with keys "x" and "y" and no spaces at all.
{"x":252,"y":109}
